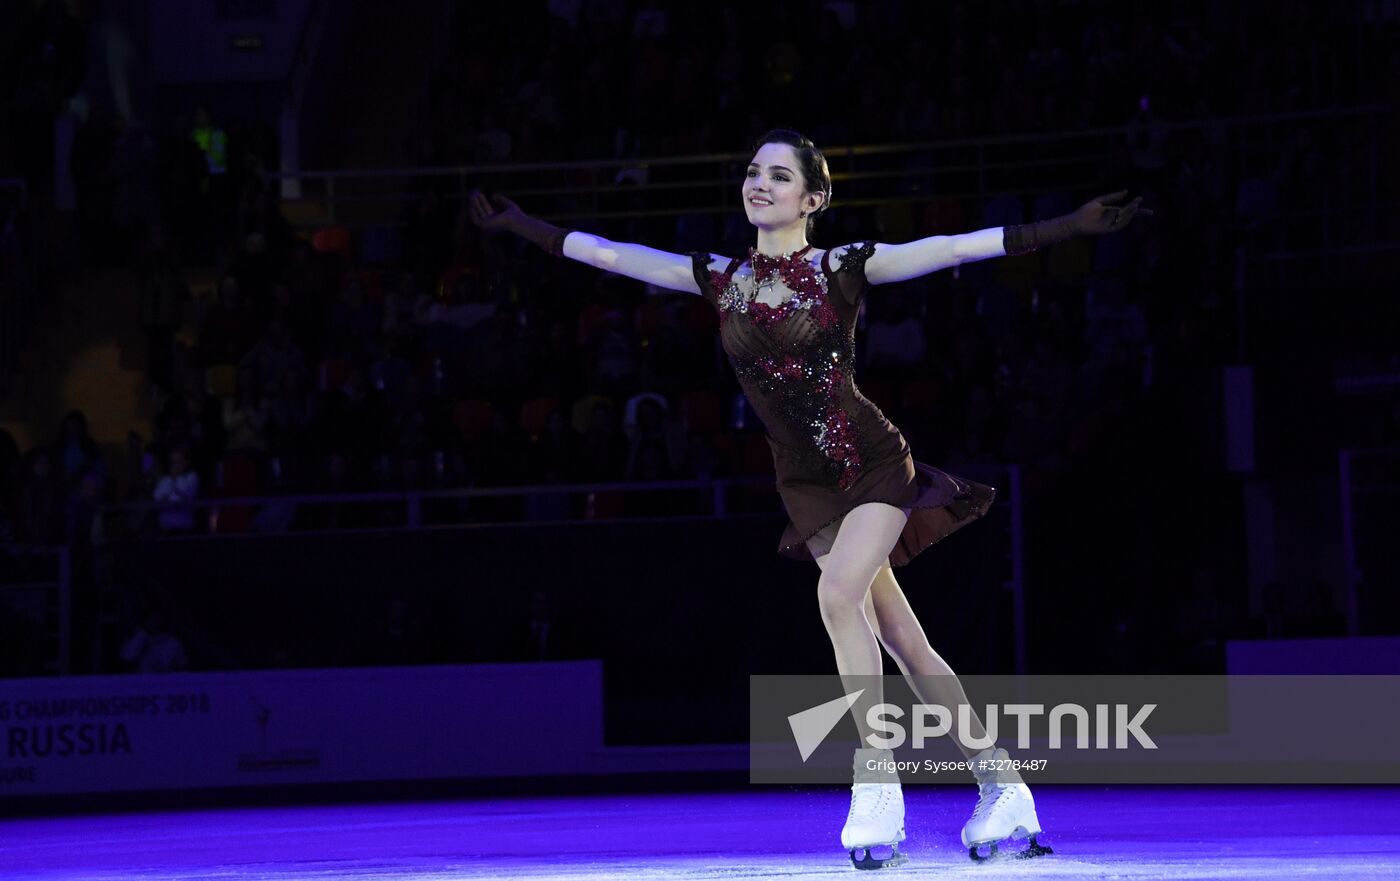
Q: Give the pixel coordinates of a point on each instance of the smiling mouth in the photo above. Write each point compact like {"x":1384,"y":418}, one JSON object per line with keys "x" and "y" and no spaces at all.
{"x":759,"y":203}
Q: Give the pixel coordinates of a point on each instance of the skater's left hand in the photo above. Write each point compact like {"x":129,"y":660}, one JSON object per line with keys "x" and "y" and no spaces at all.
{"x":1105,"y":214}
{"x":494,"y":214}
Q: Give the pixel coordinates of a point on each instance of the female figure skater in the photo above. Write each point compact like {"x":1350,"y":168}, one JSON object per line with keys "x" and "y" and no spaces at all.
{"x":858,"y":503}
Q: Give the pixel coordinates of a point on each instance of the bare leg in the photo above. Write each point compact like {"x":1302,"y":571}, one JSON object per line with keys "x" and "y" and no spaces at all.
{"x":861,"y":547}
{"x":1004,"y":803}
{"x":929,"y":675}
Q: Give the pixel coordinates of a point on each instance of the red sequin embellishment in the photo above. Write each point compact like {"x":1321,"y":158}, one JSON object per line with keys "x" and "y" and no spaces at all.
{"x":805,"y":389}
{"x":837,"y":437}
{"x":825,"y":315}
{"x":799,"y":276}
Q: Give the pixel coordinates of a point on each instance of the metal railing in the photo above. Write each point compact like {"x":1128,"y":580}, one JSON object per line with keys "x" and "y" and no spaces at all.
{"x":405,"y":508}
{"x":137,"y":519}
{"x":862,"y":175}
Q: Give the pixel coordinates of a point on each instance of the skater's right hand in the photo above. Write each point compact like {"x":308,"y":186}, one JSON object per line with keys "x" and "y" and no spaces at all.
{"x":494,"y":215}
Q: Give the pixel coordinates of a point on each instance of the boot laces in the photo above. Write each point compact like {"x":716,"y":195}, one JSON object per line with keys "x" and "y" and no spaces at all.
{"x":866,"y":798}
{"x":990,"y":793}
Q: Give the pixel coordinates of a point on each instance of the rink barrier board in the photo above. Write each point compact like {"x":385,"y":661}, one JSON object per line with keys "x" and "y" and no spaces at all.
{"x":92,"y":734}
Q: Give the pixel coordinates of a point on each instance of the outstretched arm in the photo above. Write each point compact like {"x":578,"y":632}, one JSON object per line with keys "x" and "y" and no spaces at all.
{"x":661,"y":268}
{"x":891,"y":263}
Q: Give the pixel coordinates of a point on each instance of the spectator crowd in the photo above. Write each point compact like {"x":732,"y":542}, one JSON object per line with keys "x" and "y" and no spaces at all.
{"x":422,"y":355}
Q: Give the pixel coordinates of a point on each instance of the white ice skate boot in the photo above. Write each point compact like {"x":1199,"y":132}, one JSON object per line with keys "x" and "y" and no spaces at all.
{"x":1004,"y":810}
{"x":877,"y":811}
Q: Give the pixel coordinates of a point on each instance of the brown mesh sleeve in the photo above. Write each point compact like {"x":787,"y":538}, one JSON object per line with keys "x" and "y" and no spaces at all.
{"x":850,"y":273}
{"x":700,"y":266}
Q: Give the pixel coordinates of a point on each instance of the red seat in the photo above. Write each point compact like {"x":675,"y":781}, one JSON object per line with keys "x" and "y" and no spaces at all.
{"x":333,"y":238}
{"x":236,"y":477}
{"x":588,"y":319}
{"x":921,"y":395}
{"x":702,"y":411}
{"x":755,"y":456}
{"x":698,"y":317}
{"x":603,"y":505}
{"x":755,"y":459}
{"x":878,"y":392}
{"x":943,"y":216}
{"x":648,"y":317}
{"x":535,"y":413}
{"x":473,"y":417}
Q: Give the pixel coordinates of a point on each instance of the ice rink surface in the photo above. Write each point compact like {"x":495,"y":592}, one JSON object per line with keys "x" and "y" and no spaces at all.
{"x":763,"y":832}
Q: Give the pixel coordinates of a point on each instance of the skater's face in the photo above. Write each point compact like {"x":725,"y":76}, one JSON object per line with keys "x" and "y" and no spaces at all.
{"x":775,"y":193}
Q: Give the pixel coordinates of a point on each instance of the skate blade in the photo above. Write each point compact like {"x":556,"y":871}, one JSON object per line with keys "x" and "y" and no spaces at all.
{"x":866,"y":861}
{"x":996,"y":854}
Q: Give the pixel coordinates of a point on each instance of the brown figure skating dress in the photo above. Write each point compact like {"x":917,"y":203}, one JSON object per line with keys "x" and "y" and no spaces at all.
{"x":788,"y":327}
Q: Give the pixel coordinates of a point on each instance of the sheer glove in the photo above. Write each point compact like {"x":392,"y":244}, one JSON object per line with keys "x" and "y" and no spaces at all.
{"x":500,"y":213}
{"x":1096,"y":217}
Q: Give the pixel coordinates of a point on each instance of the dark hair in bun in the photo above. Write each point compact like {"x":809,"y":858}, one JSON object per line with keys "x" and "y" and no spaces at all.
{"x":811,"y":163}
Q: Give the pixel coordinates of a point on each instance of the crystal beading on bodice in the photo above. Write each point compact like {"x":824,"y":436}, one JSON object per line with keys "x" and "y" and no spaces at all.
{"x":792,"y":346}
{"x":795,"y":359}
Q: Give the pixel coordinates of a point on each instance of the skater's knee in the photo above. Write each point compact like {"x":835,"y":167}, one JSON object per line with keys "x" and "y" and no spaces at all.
{"x":902,"y":641}
{"x":840,"y":595}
